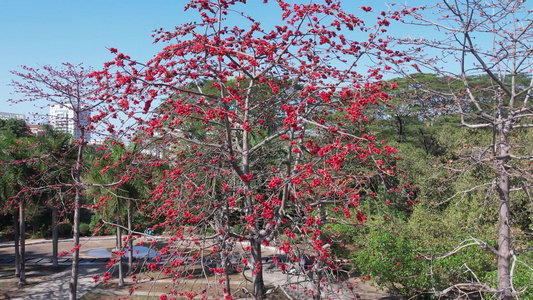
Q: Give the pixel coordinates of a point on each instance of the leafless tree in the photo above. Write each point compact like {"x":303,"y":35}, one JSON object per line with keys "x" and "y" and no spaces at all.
{"x":489,"y":40}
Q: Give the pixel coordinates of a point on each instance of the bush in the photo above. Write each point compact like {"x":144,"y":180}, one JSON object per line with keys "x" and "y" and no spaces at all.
{"x":340,"y":236}
{"x":391,"y":261}
{"x":41,"y":233}
{"x":522,"y":276}
{"x":85,"y":230}
{"x":400,"y":261}
{"x":64,"y":229}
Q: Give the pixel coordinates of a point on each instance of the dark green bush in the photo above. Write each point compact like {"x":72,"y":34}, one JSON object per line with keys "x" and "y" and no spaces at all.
{"x":85,"y":229}
{"x":64,"y":230}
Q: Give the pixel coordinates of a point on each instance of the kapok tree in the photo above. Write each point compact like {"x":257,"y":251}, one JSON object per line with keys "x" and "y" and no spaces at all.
{"x":70,"y":88}
{"x":485,"y":46}
{"x":253,"y":121}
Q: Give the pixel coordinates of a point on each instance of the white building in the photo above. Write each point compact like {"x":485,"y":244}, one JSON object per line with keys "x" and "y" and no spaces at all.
{"x":63,"y":117}
{"x":6,"y":115}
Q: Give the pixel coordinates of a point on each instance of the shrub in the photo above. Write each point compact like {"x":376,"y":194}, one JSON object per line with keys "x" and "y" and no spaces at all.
{"x":340,"y":236}
{"x":398,"y":260}
{"x":522,"y":276}
{"x":391,"y":261}
{"x":64,"y":229}
{"x":85,"y":229}
{"x":41,"y":233}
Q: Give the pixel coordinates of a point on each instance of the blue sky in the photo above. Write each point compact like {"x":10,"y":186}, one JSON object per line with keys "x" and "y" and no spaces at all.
{"x":41,"y":32}
{"x":37,"y":32}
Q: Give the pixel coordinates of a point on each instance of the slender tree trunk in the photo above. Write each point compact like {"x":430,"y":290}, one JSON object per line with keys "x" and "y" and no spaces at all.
{"x":504,"y":259}
{"x":73,"y":284}
{"x":119,"y":248}
{"x":130,"y":240}
{"x":317,"y":263}
{"x":22,"y":232}
{"x":54,"y":237}
{"x":504,"y":221}
{"x":226,"y":250}
{"x":224,"y":260}
{"x":222,"y":224}
{"x":16,"y":233}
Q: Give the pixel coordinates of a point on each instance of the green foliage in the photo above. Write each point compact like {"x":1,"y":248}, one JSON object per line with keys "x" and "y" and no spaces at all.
{"x":404,"y":253}
{"x":14,"y":127}
{"x":41,"y":232}
{"x":522,"y":276}
{"x":64,"y":230}
{"x":96,"y":219}
{"x":391,"y":261}
{"x":342,"y":235}
{"x":400,"y":261}
{"x":85,"y":229}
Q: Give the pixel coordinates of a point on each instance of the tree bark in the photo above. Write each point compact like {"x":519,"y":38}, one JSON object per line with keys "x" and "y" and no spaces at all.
{"x":16,"y":234}
{"x":55,"y":237}
{"x":73,"y":284}
{"x":259,"y":284}
{"x":504,"y":232}
{"x":119,"y":249}
{"x":22,"y":232}
{"x":130,"y":240}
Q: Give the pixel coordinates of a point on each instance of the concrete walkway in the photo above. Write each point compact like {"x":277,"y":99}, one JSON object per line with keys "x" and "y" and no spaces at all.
{"x":53,"y":286}
{"x":57,"y":286}
{"x":49,"y":241}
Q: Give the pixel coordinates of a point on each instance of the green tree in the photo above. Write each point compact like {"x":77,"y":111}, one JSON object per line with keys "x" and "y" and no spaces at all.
{"x":56,"y":157}
{"x":18,"y":180}
{"x":117,"y":163}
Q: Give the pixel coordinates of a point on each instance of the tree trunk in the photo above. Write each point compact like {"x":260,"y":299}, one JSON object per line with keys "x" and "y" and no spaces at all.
{"x":55,"y":237}
{"x":221,"y":225}
{"x":22,"y":245}
{"x":504,"y":221}
{"x":224,"y":260}
{"x":130,"y":240}
{"x":259,"y":284}
{"x":16,"y":234}
{"x":119,"y":249}
{"x":318,"y":263}
{"x":73,"y":284}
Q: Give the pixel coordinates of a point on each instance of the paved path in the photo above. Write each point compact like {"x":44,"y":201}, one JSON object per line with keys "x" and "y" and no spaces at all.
{"x":38,"y":252}
{"x":57,"y":286}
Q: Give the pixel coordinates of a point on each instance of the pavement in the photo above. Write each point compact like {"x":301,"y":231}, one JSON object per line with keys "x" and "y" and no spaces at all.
{"x":44,"y":284}
{"x":57,"y":286}
{"x":51,"y":285}
{"x":39,"y":251}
